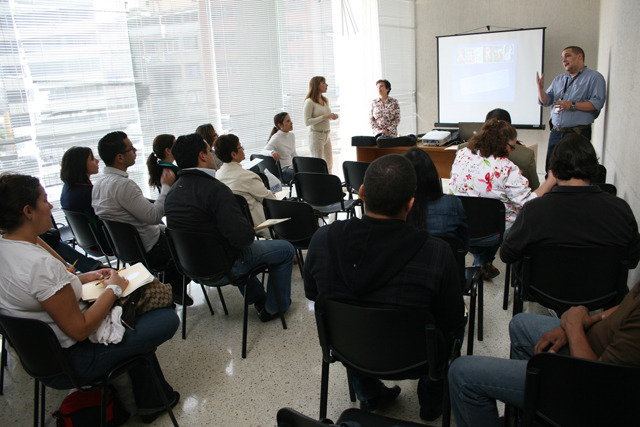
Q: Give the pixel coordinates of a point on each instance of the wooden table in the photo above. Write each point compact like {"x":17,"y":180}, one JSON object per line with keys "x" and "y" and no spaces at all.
{"x":443,"y":159}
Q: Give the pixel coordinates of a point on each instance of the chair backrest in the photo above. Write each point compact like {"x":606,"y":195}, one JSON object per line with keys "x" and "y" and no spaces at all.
{"x":560,"y":277}
{"x":609,"y":188}
{"x":244,"y":207}
{"x":310,"y":164}
{"x":198,"y":255}
{"x":485,"y":217}
{"x":354,"y":174}
{"x":125,"y":242}
{"x":37,"y":347}
{"x":459,"y":253}
{"x":601,"y":176}
{"x":269,"y":163}
{"x":568,"y":391}
{"x":383,"y":343}
{"x":287,"y":417}
{"x":318,"y":189}
{"x":302,"y":225}
{"x":82,"y":228}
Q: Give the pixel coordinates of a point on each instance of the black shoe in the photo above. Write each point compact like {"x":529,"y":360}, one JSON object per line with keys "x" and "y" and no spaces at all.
{"x":430,"y":414}
{"x":259,"y":305}
{"x":149,"y":418}
{"x":386,"y":395}
{"x":489,"y":271}
{"x":177,"y":299}
{"x":265,"y":316}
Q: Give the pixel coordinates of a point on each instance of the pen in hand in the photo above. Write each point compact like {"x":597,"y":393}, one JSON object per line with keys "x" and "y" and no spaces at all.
{"x":109,"y":276}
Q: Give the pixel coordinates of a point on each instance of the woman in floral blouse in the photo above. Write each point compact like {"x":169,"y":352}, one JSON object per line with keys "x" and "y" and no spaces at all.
{"x":385,"y":111}
{"x":483,"y":169}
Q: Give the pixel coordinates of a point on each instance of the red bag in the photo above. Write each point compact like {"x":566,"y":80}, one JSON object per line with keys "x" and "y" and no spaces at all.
{"x":83,"y":409}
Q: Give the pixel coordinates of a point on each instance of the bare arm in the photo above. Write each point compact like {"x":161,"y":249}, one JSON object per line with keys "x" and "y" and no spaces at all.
{"x":542,"y":95}
{"x":64,"y":310}
{"x":547,"y":185}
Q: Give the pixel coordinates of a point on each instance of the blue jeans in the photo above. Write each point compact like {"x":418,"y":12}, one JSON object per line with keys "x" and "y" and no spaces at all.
{"x":430,"y":393}
{"x":84,"y":264}
{"x":278,"y":255}
{"x":556,"y":136}
{"x":476,"y":382}
{"x":287,"y":174}
{"x":90,"y":361}
{"x":484,"y":250}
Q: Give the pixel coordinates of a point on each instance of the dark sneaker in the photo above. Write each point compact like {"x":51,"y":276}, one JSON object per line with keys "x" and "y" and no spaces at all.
{"x":386,"y":396}
{"x":430,"y":414}
{"x":149,"y":418}
{"x":177,"y":298}
{"x":265,"y":316}
{"x":489,"y":271}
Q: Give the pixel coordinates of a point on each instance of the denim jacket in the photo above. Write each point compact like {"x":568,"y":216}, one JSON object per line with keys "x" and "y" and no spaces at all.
{"x":446,"y":216}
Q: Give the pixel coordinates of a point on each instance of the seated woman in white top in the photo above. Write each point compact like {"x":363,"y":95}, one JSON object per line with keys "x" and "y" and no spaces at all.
{"x":241,"y":181}
{"x":35,"y":285}
{"x":282,"y":145}
{"x":317,"y":114}
{"x":483,"y":169}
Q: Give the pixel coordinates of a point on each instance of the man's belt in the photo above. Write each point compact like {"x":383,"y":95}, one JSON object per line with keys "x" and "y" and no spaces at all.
{"x":575,"y":129}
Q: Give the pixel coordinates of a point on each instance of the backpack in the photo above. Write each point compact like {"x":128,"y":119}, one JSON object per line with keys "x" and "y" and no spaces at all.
{"x":83,"y":409}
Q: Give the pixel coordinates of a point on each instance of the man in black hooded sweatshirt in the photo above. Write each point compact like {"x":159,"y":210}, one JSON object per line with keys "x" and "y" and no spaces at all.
{"x":382,"y":261}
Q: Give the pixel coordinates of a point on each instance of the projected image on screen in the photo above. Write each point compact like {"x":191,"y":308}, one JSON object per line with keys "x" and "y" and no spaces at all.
{"x":484,"y":73}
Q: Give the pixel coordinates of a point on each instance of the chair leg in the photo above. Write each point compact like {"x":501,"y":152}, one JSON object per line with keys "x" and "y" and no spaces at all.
{"x":244,"y":323}
{"x":446,"y":405}
{"x":480,"y":309}
{"x":184,"y":308}
{"x":3,"y":364}
{"x":275,"y":291}
{"x":507,"y":276}
{"x":224,"y":306}
{"x":42,"y":404}
{"x":324,"y":390}
{"x":103,"y":405}
{"x":165,"y":402}
{"x":352,"y":393}
{"x":36,"y":402}
{"x":206,"y":298}
{"x":300,"y":262}
{"x":472,"y":320}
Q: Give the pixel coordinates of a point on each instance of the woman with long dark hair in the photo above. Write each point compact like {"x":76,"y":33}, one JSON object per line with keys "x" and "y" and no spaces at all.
{"x":483,"y":169}
{"x":282,"y":144}
{"x":208,"y":132}
{"x":317,"y":114}
{"x":434,"y":211}
{"x":35,"y":285}
{"x":160,"y":159}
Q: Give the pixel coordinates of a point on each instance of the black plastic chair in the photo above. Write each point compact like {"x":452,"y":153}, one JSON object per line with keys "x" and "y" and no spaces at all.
{"x":42,"y":358}
{"x":560,"y":277}
{"x":287,"y":417}
{"x":199,"y":256}
{"x":565,"y":391}
{"x":126,"y":244}
{"x":85,"y":234}
{"x":472,"y":285}
{"x":609,"y":188}
{"x":66,"y":235}
{"x":3,"y":359}
{"x":390,"y":344}
{"x":324,"y":193}
{"x":310,"y":164}
{"x":244,"y":208}
{"x":298,"y":230}
{"x":354,"y":176}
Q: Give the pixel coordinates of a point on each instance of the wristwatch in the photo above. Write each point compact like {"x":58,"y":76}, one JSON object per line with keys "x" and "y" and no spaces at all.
{"x":117,"y":290}
{"x":573,"y":106}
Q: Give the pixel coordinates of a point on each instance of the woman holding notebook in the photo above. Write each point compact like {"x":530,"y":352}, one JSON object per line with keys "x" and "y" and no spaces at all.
{"x":36,"y":285}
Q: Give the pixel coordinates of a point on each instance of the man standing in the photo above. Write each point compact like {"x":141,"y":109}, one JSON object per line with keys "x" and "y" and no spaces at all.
{"x":577,"y":97}
{"x":381,"y":261}
{"x":198,"y":202}
{"x":116,"y":197}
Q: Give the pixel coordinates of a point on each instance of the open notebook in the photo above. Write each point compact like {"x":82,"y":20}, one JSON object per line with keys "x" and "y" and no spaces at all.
{"x":137,"y":275}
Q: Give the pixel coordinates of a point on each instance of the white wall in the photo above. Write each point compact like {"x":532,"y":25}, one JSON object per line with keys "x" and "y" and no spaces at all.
{"x":568,"y":22}
{"x":618,"y":61}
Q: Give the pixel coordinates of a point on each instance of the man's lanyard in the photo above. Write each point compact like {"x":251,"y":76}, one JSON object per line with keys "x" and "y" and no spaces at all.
{"x":567,"y":85}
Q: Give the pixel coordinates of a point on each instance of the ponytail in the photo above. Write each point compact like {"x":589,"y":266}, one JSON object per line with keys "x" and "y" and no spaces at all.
{"x":155,"y":171}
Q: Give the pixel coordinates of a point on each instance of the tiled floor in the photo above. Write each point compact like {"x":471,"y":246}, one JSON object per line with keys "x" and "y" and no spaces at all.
{"x":282,"y":367}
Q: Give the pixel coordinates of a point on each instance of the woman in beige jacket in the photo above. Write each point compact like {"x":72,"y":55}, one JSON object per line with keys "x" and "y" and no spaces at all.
{"x":317,"y":114}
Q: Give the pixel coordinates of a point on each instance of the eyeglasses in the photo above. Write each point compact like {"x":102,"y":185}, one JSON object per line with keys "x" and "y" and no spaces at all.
{"x":240,"y":148}
{"x":130,"y":149}
{"x":513,"y":147}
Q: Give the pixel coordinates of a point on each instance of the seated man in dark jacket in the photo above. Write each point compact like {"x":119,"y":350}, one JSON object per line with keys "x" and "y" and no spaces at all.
{"x":382,"y":261}
{"x":575,"y":212}
{"x":198,"y":202}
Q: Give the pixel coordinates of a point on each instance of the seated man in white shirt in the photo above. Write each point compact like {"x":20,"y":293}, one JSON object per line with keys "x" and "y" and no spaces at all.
{"x":241,"y":181}
{"x":116,"y":197}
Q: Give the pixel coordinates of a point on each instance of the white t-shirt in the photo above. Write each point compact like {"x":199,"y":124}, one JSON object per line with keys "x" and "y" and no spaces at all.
{"x":285,"y":144}
{"x":31,"y":275}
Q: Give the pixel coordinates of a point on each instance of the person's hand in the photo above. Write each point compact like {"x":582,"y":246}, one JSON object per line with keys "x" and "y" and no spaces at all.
{"x":168,"y":177}
{"x":556,"y":338}
{"x":551,"y":178}
{"x":276,"y":156}
{"x":334,"y":116}
{"x":93,"y":275}
{"x":576,"y":317}
{"x":386,"y":132}
{"x":540,"y":81}
{"x":564,"y":105}
{"x":328,"y":116}
{"x":117,"y":279}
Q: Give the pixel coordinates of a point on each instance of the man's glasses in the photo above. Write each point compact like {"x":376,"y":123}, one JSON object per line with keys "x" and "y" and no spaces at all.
{"x":130,"y":149}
